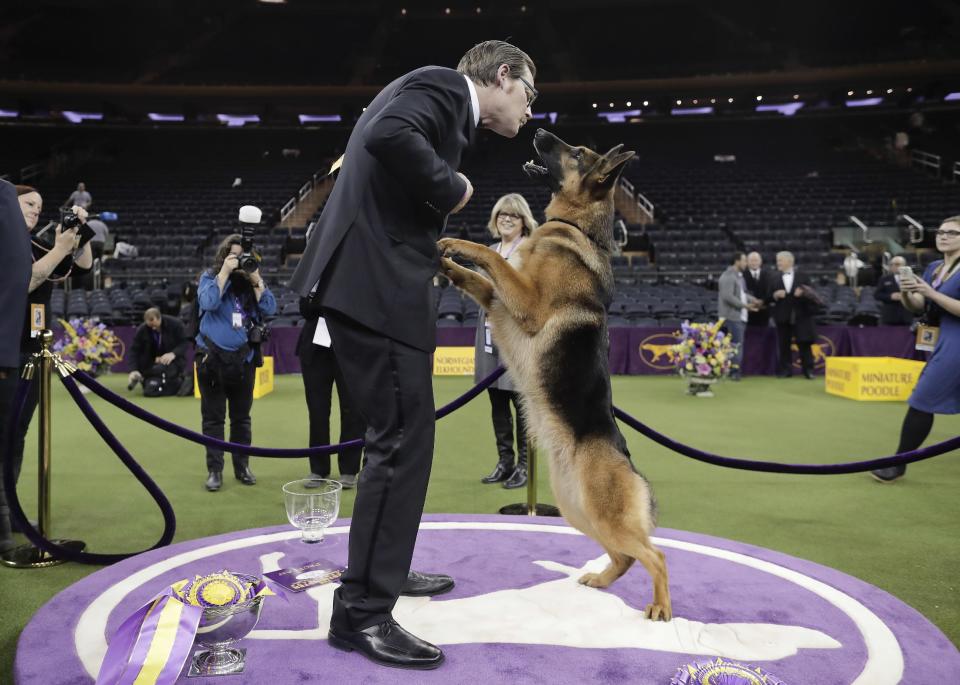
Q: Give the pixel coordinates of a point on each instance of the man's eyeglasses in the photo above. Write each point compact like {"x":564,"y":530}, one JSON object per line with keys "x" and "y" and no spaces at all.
{"x":507,"y":215}
{"x":946,"y":234}
{"x":532,"y":92}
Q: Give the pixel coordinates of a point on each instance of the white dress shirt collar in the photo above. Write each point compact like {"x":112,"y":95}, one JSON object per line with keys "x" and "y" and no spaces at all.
{"x":474,"y":101}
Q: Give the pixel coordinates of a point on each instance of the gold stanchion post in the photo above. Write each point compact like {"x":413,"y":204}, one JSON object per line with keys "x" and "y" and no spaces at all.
{"x":28,"y":556}
{"x":531,"y":508}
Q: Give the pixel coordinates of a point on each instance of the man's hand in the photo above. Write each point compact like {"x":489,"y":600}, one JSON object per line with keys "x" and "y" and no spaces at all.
{"x":80,"y":212}
{"x":165,"y":359}
{"x":257,"y":280}
{"x":798,"y":292}
{"x":779,"y":294}
{"x":466,"y":195}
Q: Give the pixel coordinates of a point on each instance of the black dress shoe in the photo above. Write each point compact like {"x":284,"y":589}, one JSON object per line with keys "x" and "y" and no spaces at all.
{"x":808,"y":375}
{"x":890,"y":474}
{"x":214,"y":481}
{"x":500,"y":473}
{"x":517,"y":479}
{"x":388,"y":644}
{"x":245,"y":476}
{"x":426,"y":584}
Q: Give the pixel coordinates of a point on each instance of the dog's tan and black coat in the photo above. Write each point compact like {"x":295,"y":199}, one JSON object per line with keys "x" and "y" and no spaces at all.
{"x":549,"y":322}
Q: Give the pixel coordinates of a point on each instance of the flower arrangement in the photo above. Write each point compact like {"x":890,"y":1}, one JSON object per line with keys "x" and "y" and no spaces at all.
{"x":704,"y":351}
{"x":89,"y":345}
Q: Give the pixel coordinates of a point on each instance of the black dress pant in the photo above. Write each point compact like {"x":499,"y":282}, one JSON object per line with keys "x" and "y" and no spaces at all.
{"x":320,"y":372}
{"x":9,"y":379}
{"x":503,"y":425}
{"x":218,"y":391}
{"x":392,"y":386}
{"x":785,"y":334}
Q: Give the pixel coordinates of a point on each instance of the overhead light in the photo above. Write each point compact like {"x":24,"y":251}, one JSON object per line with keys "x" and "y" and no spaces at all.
{"x":238,"y":119}
{"x":759,"y":98}
{"x":628,"y":103}
{"x":679,"y":102}
{"x":869,"y":92}
{"x":611,"y":104}
{"x":479,"y":10}
{"x":889,"y":90}
{"x":865,"y":102}
{"x":695,"y":102}
{"x":77,"y":117}
{"x":849,"y":93}
{"x":403,"y":11}
{"x":713,"y":101}
{"x":594,"y":105}
{"x":730,"y":101}
{"x":646,"y":103}
{"x":9,"y":113}
{"x":156,"y":116}
{"x":796,"y":96}
{"x":319,"y":118}
{"x":691,"y":110}
{"x":909,"y":90}
{"x":523,"y":8}
{"x":446,"y":11}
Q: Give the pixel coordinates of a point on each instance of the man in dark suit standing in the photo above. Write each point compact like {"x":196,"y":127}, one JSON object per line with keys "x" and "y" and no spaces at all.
{"x":794,"y":307}
{"x":370,"y":263}
{"x":758,"y":282}
{"x":887,"y":292}
{"x":15,"y":266}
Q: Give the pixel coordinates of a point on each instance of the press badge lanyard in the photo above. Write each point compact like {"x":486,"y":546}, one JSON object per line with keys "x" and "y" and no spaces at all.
{"x":237,"y":313}
{"x":487,"y":333}
{"x":928,"y":335}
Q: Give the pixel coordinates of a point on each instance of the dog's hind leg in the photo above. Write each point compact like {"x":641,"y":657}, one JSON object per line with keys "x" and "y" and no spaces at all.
{"x":656,"y":565}
{"x":473,"y":284}
{"x":619,"y":564}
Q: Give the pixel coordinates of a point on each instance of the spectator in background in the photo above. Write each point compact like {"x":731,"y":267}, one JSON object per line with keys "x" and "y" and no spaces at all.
{"x":232,"y":303}
{"x":892,"y":311}
{"x":14,"y":282}
{"x":937,"y":297}
{"x":734,"y":303}
{"x":79,"y":197}
{"x":318,"y":362}
{"x":511,"y":221}
{"x":158,"y":352}
{"x":794,"y":303}
{"x":758,"y":282}
{"x":99,"y":239}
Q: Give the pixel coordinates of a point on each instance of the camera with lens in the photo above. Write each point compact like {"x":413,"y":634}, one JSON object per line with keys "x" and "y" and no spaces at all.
{"x":258,"y":334}
{"x":250,"y":216}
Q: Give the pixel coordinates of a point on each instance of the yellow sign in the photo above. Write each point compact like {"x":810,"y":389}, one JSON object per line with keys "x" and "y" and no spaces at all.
{"x":453,"y":361}
{"x":872,"y":379}
{"x":262,"y":384}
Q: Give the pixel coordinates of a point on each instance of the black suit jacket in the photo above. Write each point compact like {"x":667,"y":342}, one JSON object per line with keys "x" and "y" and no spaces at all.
{"x":173,"y":338}
{"x":374,"y":248}
{"x":15,"y":266}
{"x":892,"y":313}
{"x":801,"y":310}
{"x":760,"y":289}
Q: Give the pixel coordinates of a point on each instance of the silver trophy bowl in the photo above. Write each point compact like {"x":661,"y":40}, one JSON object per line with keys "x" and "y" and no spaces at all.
{"x":219,"y":628}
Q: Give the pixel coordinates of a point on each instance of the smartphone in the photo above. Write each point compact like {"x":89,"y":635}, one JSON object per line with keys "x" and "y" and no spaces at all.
{"x":907,"y":272}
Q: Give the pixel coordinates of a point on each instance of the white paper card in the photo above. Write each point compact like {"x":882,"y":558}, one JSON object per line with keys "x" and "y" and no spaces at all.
{"x":321,"y":336}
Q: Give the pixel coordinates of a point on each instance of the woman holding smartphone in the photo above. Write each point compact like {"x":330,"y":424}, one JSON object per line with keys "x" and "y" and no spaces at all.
{"x":937,"y":297}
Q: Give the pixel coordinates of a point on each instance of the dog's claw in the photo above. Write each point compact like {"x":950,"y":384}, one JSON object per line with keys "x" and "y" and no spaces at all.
{"x":656,"y":612}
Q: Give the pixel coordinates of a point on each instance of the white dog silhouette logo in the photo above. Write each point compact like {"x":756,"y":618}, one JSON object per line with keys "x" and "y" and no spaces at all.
{"x":562,"y":612}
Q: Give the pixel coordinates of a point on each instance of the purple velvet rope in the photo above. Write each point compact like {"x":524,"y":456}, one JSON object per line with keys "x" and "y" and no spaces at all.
{"x":187,"y":434}
{"x":775,"y":467}
{"x":50,"y":547}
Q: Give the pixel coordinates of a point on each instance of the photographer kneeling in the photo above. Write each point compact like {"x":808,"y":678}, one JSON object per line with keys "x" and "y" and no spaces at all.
{"x":158,"y":354}
{"x":232,"y":304}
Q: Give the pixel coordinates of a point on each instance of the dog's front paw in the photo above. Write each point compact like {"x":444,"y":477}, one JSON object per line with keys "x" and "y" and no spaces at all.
{"x":451,"y":270}
{"x":448,"y":247}
{"x":592,"y":580}
{"x":657,"y":612}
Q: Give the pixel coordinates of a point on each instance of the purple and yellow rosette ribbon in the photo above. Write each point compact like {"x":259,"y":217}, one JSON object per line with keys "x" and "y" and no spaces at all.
{"x":152,"y":644}
{"x":723,"y":672}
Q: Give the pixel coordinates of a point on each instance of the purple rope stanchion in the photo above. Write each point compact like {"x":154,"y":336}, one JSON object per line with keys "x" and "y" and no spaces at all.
{"x":775,"y":467}
{"x":50,"y":547}
{"x":252,"y":450}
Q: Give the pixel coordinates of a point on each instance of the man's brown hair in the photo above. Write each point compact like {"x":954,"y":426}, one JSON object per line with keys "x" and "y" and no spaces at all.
{"x":480,"y":63}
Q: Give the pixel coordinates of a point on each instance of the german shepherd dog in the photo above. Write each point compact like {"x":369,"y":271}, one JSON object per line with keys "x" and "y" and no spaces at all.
{"x":549,"y":322}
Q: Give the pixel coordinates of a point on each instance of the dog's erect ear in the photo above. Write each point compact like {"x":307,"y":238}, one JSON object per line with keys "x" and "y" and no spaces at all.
{"x":612,"y":165}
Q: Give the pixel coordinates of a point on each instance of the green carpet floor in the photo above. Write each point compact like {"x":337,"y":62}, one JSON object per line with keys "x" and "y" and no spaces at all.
{"x":904,"y":538}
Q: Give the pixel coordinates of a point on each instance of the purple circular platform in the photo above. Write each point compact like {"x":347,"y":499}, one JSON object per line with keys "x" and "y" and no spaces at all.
{"x":518,"y":615}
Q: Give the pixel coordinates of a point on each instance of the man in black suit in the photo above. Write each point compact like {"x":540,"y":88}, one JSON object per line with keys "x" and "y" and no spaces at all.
{"x":758,"y":282}
{"x":15,"y":266}
{"x":159,"y":349}
{"x":371,"y":262}
{"x":794,"y":303}
{"x":887,"y":292}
